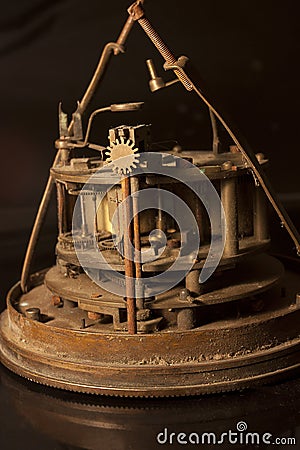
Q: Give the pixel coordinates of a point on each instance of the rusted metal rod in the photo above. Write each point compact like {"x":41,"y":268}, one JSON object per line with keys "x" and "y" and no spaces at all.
{"x":134,"y":182}
{"x":129,"y":260}
{"x":37,"y":228}
{"x":214,"y":127}
{"x":60,"y":208}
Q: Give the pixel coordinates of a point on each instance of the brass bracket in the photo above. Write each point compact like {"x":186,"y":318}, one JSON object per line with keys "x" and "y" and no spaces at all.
{"x":178,"y":65}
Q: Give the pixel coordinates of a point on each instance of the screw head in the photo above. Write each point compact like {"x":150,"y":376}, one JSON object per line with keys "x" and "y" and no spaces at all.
{"x":183,"y":294}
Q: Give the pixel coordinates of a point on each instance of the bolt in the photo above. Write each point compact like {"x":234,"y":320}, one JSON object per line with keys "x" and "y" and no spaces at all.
{"x":57,"y":301}
{"x":33,"y":313}
{"x":183,"y":294}
{"x":155,"y":82}
{"x":227,"y":165}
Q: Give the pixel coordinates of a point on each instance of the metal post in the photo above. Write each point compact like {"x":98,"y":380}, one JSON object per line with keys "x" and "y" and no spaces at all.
{"x":129,"y":262}
{"x":134,"y":182}
{"x":229,"y":201}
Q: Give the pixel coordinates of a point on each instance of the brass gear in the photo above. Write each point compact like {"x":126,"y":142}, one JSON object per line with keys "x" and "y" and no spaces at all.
{"x":123,"y":156}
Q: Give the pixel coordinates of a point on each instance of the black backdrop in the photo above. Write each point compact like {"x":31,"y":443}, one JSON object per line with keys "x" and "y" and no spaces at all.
{"x":247,"y":52}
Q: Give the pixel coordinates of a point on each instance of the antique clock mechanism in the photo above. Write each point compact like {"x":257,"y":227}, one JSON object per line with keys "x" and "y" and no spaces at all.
{"x":162,"y":285}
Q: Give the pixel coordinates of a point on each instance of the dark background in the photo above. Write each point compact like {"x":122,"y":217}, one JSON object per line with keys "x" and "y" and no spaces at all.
{"x":246,"y":52}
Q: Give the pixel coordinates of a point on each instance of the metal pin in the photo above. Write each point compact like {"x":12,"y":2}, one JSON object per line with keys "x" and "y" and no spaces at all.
{"x":229,"y":202}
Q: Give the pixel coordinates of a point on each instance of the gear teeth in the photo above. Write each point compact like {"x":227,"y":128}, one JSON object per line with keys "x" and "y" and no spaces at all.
{"x":127,"y":154}
{"x":133,"y":395}
{"x":108,"y":153}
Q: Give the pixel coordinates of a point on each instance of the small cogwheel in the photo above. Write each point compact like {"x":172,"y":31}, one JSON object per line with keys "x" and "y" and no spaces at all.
{"x":123,"y":156}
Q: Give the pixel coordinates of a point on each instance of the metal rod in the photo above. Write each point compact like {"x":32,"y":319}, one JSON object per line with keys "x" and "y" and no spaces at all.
{"x":216,"y":140}
{"x":164,"y":51}
{"x":137,"y":11}
{"x":192,"y":282}
{"x":229,"y":202}
{"x":160,"y":221}
{"x":134,"y":182}
{"x":152,"y":69}
{"x":261,"y":177}
{"x":110,"y":47}
{"x":95,"y":215}
{"x":43,"y":207}
{"x":84,"y":230}
{"x":129,"y":261}
{"x":199,"y":217}
{"x":60,"y":208}
{"x":124,"y":33}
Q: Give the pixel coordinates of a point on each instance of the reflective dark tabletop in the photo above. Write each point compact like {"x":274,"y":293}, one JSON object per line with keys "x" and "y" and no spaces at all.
{"x":35,"y":417}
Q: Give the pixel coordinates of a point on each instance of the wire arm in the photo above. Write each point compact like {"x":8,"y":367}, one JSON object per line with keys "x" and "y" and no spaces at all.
{"x":111,"y":48}
{"x":137,"y":13}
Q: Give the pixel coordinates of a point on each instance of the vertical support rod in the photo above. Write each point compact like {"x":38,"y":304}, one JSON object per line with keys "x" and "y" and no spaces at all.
{"x":134,"y":182}
{"x":129,"y":261}
{"x":214,"y":127}
{"x":84,"y":230}
{"x":60,"y":208}
{"x":199,"y":217}
{"x":192,"y":282}
{"x":40,"y":216}
{"x":160,"y":221}
{"x":95,"y":215}
{"x":229,"y":202}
